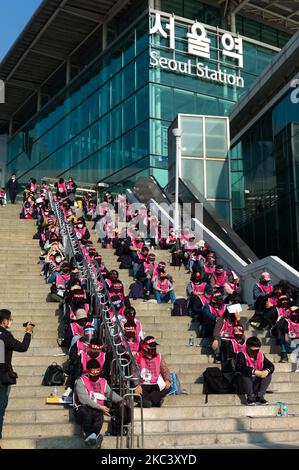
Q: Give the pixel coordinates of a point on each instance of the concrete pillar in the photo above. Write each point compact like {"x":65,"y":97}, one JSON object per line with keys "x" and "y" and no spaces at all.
{"x":104,"y":36}
{"x":10,"y":128}
{"x":39,"y":100}
{"x":68,"y":71}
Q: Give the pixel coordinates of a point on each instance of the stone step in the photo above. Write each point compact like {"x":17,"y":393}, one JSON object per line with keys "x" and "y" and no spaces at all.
{"x":36,"y":416}
{"x":29,"y":391}
{"x":209,"y":425}
{"x":40,"y":430}
{"x":40,"y":351}
{"x":37,"y":360}
{"x":45,"y":443}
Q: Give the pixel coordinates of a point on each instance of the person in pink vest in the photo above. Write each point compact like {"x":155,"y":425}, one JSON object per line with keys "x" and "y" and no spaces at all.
{"x":131,"y":337}
{"x":262,"y":290}
{"x":211,"y":312}
{"x":230,"y":347}
{"x":155,"y":375}
{"x":60,"y":186}
{"x":198,"y":295}
{"x":223,"y":331}
{"x":163,"y":289}
{"x":91,"y":402}
{"x":289,"y":334}
{"x":254,"y":372}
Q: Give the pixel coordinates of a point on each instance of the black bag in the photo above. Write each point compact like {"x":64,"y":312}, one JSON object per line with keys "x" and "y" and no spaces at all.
{"x":216,"y":382}
{"x":180,"y":308}
{"x":54,"y":375}
{"x":136,"y":290}
{"x":114,"y":428}
{"x":125,"y":262}
{"x":9,"y":377}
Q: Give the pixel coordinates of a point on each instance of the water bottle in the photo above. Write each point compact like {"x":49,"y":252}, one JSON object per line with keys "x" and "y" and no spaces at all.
{"x":55,"y":391}
{"x":285,"y":410}
{"x":191,"y":340}
{"x":279,"y":412}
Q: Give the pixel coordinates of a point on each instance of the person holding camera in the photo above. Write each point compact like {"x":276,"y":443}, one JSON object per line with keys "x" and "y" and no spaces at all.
{"x":8,"y":344}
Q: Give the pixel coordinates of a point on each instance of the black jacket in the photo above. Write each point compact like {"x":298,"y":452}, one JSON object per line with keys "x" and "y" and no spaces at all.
{"x":11,"y":344}
{"x":243,"y":369}
{"x":12,"y":186}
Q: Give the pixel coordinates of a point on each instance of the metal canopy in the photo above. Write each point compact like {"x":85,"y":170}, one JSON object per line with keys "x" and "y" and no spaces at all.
{"x":57,"y":28}
{"x":281,"y":14}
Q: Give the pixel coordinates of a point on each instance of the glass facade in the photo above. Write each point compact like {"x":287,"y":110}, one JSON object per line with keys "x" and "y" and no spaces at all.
{"x":204,"y":158}
{"x":265,"y":177}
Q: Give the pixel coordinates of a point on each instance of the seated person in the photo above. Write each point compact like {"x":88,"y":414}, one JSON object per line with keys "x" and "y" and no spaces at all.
{"x":254,"y":372}
{"x":289,"y":334}
{"x":91,"y":396}
{"x":197,"y":294}
{"x":210,"y":312}
{"x":223,"y":331}
{"x":155,"y":375}
{"x":163,"y":289}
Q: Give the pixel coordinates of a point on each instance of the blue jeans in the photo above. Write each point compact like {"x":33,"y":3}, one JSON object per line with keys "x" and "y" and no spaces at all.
{"x":3,"y":403}
{"x":285,"y":347}
{"x":164,"y":298}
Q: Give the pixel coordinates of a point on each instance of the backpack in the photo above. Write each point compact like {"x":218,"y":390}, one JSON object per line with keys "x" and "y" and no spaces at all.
{"x":54,"y":375}
{"x":180,"y":308}
{"x":216,"y":382}
{"x":136,"y":290}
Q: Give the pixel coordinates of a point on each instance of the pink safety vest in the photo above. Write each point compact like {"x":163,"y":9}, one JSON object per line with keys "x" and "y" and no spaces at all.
{"x":264,"y":289}
{"x":237,"y":346}
{"x":85,"y":357}
{"x":149,"y":369}
{"x":33,"y":187}
{"x":257,"y":364}
{"x":293,"y":327}
{"x":61,"y":188}
{"x":163,"y":285}
{"x":204,"y":299}
{"x":227,"y":330}
{"x":132,"y":342}
{"x":209,"y":269}
{"x":199,"y":288}
{"x":80,"y":232}
{"x":232,"y":285}
{"x":283,"y":312}
{"x":138,"y":245}
{"x":81,"y":346}
{"x":61,"y":280}
{"x":218,"y":312}
{"x":220,"y":280}
{"x":273,"y":300}
{"x":77,"y":329}
{"x":95,"y":390}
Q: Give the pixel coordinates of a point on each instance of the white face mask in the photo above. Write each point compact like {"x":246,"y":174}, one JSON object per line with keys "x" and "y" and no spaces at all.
{"x":58,"y":260}
{"x":80,"y":225}
{"x":10,"y":323}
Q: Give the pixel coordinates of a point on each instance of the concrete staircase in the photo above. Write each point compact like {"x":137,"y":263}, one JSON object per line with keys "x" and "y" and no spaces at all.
{"x":184,"y":421}
{"x":29,"y":422}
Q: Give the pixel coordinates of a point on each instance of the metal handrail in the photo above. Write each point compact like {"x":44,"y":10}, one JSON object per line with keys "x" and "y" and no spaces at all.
{"x":114,"y":331}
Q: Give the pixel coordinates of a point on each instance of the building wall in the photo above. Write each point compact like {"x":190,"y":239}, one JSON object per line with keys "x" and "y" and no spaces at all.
{"x":265,"y":177}
{"x":116,"y":113}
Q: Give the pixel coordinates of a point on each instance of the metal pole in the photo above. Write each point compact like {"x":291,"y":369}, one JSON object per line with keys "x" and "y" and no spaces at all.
{"x":177,"y":134}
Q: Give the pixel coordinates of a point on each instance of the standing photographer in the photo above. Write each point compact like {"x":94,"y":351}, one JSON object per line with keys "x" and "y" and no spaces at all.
{"x":8,"y":344}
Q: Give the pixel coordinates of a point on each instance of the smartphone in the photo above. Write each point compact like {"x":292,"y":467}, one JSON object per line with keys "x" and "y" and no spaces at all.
{"x":26,"y":324}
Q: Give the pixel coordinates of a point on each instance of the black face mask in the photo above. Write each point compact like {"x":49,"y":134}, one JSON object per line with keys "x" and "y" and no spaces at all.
{"x":93,"y":354}
{"x":253,"y":352}
{"x":231,"y":317}
{"x":94,"y":378}
{"x":295,"y":318}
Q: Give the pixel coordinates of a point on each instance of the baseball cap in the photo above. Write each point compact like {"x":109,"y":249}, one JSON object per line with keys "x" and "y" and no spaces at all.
{"x":150,"y":341}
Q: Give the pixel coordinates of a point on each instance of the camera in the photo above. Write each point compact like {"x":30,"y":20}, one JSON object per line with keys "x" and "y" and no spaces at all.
{"x":27,"y":323}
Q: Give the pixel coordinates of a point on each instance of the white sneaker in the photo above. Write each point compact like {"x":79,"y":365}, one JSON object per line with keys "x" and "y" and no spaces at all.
{"x":91,"y":440}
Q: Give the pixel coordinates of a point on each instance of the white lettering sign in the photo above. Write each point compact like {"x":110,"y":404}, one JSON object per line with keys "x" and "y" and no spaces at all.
{"x":198,"y":70}
{"x":199,"y":45}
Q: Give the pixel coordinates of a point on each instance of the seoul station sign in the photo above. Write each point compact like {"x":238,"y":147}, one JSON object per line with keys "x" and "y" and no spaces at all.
{"x":199,"y":49}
